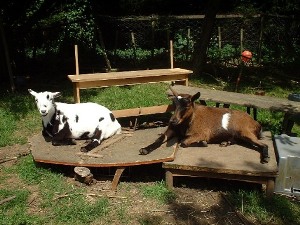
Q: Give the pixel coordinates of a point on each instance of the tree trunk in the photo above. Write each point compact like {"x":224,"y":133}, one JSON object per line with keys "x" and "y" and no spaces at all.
{"x":200,"y":52}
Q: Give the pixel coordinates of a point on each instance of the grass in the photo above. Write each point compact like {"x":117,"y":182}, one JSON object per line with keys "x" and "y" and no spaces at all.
{"x":277,"y":210}
{"x":19,"y":120}
{"x":159,"y":191}
{"x":60,"y":201}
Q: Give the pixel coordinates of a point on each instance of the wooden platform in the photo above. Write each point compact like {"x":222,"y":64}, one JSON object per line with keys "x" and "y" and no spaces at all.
{"x":233,"y":163}
{"x":119,"y":150}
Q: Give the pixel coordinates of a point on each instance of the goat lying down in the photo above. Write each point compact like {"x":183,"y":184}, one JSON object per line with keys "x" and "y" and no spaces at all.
{"x":65,"y":122}
{"x":193,"y":123}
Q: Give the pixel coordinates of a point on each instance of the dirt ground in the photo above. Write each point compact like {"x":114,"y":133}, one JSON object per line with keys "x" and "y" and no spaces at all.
{"x":198,"y":200}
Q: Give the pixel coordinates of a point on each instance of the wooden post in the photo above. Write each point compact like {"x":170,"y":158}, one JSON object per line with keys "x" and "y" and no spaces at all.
{"x":188,"y":44}
{"x":219,"y":38}
{"x":134,"y":46}
{"x":76,"y":90}
{"x":104,"y":50}
{"x":260,"y":38}
{"x":169,"y":179}
{"x":242,"y":40}
{"x":76,"y":60}
{"x":171,"y":54}
{"x":152,"y":39}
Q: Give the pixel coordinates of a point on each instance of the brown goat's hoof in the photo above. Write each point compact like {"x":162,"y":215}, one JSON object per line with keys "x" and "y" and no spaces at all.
{"x":83,"y":149}
{"x":265,"y":160}
{"x":143,"y":151}
{"x":55,"y":143}
{"x":225,"y":144}
{"x":204,"y":143}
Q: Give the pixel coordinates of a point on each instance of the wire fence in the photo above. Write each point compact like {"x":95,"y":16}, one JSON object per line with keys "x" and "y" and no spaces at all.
{"x":271,"y":39}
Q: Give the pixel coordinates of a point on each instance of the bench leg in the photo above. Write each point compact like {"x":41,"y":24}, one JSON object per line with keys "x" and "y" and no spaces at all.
{"x":169,"y":179}
{"x":270,"y":188}
{"x":117,"y":176}
{"x":76,"y":92}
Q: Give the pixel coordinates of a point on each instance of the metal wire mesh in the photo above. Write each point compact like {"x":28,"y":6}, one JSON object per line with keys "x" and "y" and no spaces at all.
{"x":231,"y":35}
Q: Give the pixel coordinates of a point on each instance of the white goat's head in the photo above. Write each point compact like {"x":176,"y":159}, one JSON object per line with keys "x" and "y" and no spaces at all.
{"x":44,"y":101}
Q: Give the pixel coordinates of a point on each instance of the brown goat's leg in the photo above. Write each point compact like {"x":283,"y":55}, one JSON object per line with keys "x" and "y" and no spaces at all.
{"x":158,"y":142}
{"x":264,"y":153}
{"x":192,"y":140}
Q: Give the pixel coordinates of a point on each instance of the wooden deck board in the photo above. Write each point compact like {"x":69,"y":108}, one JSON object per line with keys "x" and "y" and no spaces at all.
{"x":123,"y":152}
{"x":234,"y":159}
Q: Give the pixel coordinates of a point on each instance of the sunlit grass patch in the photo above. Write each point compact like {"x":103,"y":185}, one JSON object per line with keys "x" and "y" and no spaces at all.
{"x":159,"y":192}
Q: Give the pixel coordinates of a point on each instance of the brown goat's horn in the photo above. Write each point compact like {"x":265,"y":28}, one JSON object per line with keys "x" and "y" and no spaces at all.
{"x":173,"y":91}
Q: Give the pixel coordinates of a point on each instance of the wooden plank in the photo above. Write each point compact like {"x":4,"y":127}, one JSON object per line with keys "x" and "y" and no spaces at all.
{"x":88,"y":83}
{"x":143,"y":111}
{"x":247,"y":100}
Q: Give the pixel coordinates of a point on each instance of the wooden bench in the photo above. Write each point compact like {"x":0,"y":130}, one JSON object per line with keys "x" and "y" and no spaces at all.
{"x":254,"y":102}
{"x":96,"y":80}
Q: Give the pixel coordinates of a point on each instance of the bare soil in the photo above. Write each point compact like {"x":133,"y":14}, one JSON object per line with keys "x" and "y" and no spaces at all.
{"x":198,"y":200}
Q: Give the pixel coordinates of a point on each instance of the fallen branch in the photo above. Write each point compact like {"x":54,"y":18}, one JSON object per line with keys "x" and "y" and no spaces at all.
{"x":90,"y":195}
{"x":8,"y":159}
{"x":7,"y":199}
{"x":160,"y":210}
{"x":108,"y":196}
{"x":241,"y":216}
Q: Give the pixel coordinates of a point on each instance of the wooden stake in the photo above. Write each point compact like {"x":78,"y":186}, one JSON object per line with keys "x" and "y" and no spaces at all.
{"x":171,"y":54}
{"x":7,"y":199}
{"x":76,"y":60}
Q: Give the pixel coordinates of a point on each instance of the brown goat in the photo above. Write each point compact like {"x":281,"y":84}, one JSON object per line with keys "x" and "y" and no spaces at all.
{"x":193,"y":123}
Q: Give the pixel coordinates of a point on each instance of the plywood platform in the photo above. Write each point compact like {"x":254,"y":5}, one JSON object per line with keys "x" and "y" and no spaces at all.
{"x":119,"y":150}
{"x":233,"y":162}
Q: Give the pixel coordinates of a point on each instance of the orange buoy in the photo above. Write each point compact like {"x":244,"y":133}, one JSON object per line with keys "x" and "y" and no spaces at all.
{"x":246,"y":56}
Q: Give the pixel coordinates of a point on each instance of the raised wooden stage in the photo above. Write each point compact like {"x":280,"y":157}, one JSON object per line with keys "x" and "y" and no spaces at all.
{"x":121,"y":151}
{"x":232,"y":163}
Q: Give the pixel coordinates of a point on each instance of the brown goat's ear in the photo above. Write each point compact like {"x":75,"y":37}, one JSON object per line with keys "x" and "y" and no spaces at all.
{"x":195,"y":96}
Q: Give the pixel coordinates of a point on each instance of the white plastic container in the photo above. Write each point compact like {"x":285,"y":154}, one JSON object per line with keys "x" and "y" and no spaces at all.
{"x":288,"y":180}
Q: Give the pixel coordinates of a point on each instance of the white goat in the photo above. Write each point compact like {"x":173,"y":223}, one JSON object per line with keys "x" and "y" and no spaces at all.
{"x":63,"y":121}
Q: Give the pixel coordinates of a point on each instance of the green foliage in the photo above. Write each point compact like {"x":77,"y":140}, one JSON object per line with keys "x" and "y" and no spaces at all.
{"x":183,"y":46}
{"x":159,"y":192}
{"x":226,"y":53}
{"x":137,"y":54}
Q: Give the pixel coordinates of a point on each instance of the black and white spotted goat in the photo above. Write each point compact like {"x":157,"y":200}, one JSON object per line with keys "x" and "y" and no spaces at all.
{"x":66,"y":122}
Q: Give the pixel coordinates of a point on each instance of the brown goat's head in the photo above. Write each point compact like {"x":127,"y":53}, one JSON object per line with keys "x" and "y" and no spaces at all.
{"x":184,"y":104}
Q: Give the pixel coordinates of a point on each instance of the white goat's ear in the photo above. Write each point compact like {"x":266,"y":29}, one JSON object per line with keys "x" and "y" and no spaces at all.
{"x":56,"y":94}
{"x":32,"y":92}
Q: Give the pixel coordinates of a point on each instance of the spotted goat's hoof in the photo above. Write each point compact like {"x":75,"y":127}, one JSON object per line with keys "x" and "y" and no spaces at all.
{"x":143,"y":151}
